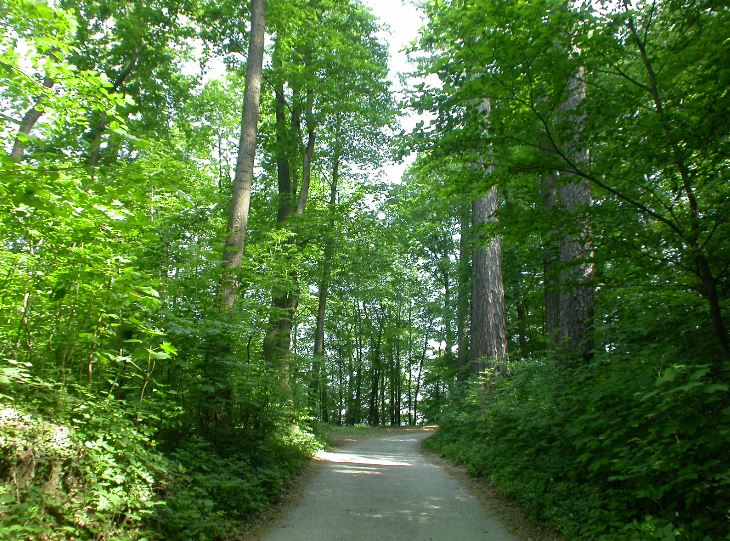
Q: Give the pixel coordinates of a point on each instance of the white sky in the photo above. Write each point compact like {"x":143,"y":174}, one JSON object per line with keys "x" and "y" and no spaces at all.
{"x":403,"y":21}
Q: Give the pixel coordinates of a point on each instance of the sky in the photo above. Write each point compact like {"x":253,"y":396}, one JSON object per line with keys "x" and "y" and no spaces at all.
{"x":403,"y":22}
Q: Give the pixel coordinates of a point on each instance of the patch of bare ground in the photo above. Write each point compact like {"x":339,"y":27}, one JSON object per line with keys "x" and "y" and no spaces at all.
{"x":495,"y":504}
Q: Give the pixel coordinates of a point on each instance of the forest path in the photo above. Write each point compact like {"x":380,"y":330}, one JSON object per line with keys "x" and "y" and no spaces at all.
{"x":382,"y":489}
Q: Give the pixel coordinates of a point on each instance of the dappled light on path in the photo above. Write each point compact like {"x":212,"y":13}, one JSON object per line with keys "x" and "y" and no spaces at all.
{"x":351,"y":458}
{"x":381,"y":489}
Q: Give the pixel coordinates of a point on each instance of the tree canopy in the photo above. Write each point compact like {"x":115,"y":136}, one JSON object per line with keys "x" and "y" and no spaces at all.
{"x":203,"y":268}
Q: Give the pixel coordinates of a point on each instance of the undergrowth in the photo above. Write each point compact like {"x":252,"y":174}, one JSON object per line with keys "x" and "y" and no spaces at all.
{"x":78,"y":466}
{"x":617,"y":450}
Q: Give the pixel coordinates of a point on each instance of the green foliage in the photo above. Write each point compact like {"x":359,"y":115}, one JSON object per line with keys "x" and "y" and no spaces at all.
{"x":623,"y":449}
{"x":212,"y":490}
{"x":73,"y":465}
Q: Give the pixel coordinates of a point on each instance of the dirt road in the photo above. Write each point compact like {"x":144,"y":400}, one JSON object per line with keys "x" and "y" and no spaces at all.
{"x":384,"y":489}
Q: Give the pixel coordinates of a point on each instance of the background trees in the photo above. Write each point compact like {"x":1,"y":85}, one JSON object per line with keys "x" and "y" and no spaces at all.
{"x":588,"y":139}
{"x":598,"y":388}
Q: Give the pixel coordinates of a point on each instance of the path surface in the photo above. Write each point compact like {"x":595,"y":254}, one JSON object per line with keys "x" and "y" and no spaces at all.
{"x":384,"y":489}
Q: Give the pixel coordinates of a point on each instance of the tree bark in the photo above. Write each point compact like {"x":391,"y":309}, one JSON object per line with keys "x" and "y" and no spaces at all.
{"x":29,"y":120}
{"x":284,"y":297}
{"x":308,"y":155}
{"x":329,"y":248}
{"x":576,"y":266}
{"x":375,"y":367}
{"x":243,"y":179}
{"x":320,"y":384}
{"x":414,"y":419}
{"x":462,"y":296}
{"x":488,"y":325}
{"x":550,"y":265}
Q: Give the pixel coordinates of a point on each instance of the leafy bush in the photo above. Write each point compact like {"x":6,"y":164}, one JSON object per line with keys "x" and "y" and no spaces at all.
{"x":213,"y":490}
{"x":72,"y":466}
{"x":78,"y":466}
{"x":625,"y":449}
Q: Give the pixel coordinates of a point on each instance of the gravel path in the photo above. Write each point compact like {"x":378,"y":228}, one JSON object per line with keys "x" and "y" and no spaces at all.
{"x":384,"y":489}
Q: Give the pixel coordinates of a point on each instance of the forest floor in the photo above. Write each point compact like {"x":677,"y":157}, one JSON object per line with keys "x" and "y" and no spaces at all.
{"x":380,"y":485}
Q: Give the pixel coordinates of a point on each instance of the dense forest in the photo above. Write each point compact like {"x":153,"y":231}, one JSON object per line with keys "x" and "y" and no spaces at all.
{"x":202,"y":264}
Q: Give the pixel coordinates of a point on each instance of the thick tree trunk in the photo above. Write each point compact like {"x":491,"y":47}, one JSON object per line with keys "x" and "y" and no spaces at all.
{"x":550,"y":265}
{"x":462,"y":295}
{"x":29,"y":120}
{"x":576,"y":266}
{"x":576,"y":278}
{"x":243,"y":179}
{"x":488,"y":325}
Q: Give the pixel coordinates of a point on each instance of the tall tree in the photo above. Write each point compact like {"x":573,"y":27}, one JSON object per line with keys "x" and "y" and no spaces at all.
{"x":488,"y":325}
{"x":243,"y":179}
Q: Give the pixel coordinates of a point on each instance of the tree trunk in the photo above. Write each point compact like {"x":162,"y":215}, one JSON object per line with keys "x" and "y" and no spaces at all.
{"x":30,"y":118}
{"x":707,"y":280}
{"x":576,"y":266}
{"x":550,"y":265}
{"x":243,"y":179}
{"x":417,"y":390}
{"x":462,"y":295}
{"x":375,"y":367}
{"x":488,"y":325}
{"x":308,"y":154}
{"x":284,"y":296}
{"x":449,"y":358}
{"x":329,"y":249}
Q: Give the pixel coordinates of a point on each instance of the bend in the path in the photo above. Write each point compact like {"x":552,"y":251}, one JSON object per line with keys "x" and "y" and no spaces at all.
{"x":383,"y":489}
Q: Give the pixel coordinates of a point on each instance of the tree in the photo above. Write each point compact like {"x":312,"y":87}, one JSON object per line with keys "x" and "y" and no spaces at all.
{"x":243,"y":179}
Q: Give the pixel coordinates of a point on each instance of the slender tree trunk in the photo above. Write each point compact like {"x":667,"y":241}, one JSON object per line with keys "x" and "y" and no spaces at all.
{"x":488,"y":325}
{"x":29,"y":120}
{"x":99,"y":127}
{"x":521,"y":309}
{"x":284,"y":297}
{"x":308,"y":154}
{"x":318,"y":384}
{"x":707,"y":280}
{"x":398,"y":377}
{"x":374,"y":413}
{"x":357,"y":407}
{"x":417,"y":390}
{"x":449,"y":357}
{"x":243,"y":179}
{"x":410,"y":362}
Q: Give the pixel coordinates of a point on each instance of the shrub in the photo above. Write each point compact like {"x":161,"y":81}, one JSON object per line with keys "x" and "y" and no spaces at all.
{"x":626,"y":449}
